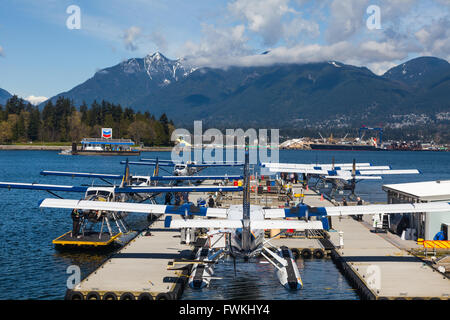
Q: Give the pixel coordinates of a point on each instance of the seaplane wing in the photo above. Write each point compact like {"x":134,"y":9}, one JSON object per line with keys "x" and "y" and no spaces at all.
{"x":82,"y":174}
{"x":195,"y":178}
{"x":132,"y":189}
{"x":201,"y":223}
{"x":133,"y":207}
{"x":45,"y":187}
{"x":388,"y":208}
{"x":383,"y":172}
{"x":235,"y":224}
{"x":207,"y":165}
{"x":151,"y":162}
{"x":304,"y":210}
{"x":286,"y":224}
{"x":151,"y":178}
{"x":145,"y":163}
{"x":350,"y":177}
{"x":336,"y":166}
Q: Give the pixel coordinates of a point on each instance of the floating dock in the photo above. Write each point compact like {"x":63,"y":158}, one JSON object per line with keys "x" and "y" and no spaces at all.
{"x":376,"y":267}
{"x":90,"y":239}
{"x":139,"y":270}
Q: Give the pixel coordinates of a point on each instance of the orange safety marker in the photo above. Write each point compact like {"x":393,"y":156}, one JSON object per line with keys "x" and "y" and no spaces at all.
{"x":306,"y":187}
{"x":321,"y":197}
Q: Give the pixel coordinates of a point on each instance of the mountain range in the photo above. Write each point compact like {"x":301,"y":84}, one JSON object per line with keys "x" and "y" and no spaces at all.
{"x":4,"y":96}
{"x":283,"y":94}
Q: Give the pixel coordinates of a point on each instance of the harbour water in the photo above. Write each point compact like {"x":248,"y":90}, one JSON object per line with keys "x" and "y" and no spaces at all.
{"x":31,"y":268}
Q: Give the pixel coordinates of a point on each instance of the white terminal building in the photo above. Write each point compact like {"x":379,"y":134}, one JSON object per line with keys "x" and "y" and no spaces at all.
{"x":421,"y":225}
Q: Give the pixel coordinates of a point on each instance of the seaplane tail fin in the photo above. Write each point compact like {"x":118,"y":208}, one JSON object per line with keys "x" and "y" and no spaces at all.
{"x":126,"y":175}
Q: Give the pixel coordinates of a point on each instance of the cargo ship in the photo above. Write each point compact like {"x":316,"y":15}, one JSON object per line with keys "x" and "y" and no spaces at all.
{"x":338,"y":146}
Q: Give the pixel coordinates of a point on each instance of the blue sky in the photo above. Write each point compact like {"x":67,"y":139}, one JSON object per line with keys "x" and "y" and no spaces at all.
{"x":41,"y":57}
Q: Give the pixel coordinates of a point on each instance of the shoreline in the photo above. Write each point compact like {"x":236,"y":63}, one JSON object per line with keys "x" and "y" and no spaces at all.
{"x":62,"y":147}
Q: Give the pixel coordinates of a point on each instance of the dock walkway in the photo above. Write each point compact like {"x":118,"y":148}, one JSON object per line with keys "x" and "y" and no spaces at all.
{"x":140,"y":268}
{"x":392,"y":272}
{"x":376,"y":266}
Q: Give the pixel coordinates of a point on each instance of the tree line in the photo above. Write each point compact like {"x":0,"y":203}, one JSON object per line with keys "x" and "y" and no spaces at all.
{"x":61,"y":121}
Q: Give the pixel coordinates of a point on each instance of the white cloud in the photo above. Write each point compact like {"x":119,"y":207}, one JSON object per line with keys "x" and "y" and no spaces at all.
{"x":2,"y":53}
{"x":130,"y":36}
{"x":346,"y":19}
{"x":159,"y":40}
{"x":35,"y":100}
{"x":435,"y":37}
{"x":264,"y":17}
{"x":217,"y":44}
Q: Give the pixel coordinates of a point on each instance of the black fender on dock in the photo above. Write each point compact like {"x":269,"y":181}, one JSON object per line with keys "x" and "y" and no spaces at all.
{"x":165,"y":296}
{"x":93,"y":295}
{"x":295,"y":253}
{"x":110,"y":296}
{"x":127,"y":296}
{"x":306,"y":253}
{"x":145,"y":296}
{"x":318,"y":253}
{"x":73,"y":295}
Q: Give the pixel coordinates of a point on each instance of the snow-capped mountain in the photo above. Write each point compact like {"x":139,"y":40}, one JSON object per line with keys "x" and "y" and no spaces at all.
{"x":129,"y":80}
{"x":269,"y":95}
{"x":158,"y":66}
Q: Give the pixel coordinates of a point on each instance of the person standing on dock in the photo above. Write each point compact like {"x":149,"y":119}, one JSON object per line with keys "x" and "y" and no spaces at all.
{"x":177,"y":199}
{"x":168,"y":198}
{"x":76,"y":223}
{"x":359,"y":203}
{"x":344,"y":202}
{"x":211,"y":202}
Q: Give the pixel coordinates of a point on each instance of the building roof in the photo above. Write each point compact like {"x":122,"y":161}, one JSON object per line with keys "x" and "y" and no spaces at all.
{"x":427,"y":190}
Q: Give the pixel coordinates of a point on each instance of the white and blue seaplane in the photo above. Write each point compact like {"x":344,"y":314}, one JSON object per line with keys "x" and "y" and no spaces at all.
{"x":243,"y":227}
{"x":341,"y":176}
{"x":95,"y":196}
{"x":142,"y":180}
{"x":189,"y":168}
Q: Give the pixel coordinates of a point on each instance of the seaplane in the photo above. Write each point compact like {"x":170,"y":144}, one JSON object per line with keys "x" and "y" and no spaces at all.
{"x":242,"y":227}
{"x":141,"y":180}
{"x":343,"y":176}
{"x":180,"y":169}
{"x":94,"y":195}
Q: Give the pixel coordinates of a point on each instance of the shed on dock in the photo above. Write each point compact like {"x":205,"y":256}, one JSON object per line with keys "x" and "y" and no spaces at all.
{"x":426,"y":225}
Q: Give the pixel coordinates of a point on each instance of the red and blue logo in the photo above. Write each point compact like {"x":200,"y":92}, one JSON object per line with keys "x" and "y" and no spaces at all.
{"x":107,"y":133}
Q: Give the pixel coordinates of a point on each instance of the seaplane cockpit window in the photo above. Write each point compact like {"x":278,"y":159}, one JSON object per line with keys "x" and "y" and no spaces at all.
{"x":91,"y":193}
{"x":105,"y":194}
{"x":138,"y":181}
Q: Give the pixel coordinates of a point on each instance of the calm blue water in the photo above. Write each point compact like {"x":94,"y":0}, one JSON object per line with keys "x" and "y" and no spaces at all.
{"x":30,"y":268}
